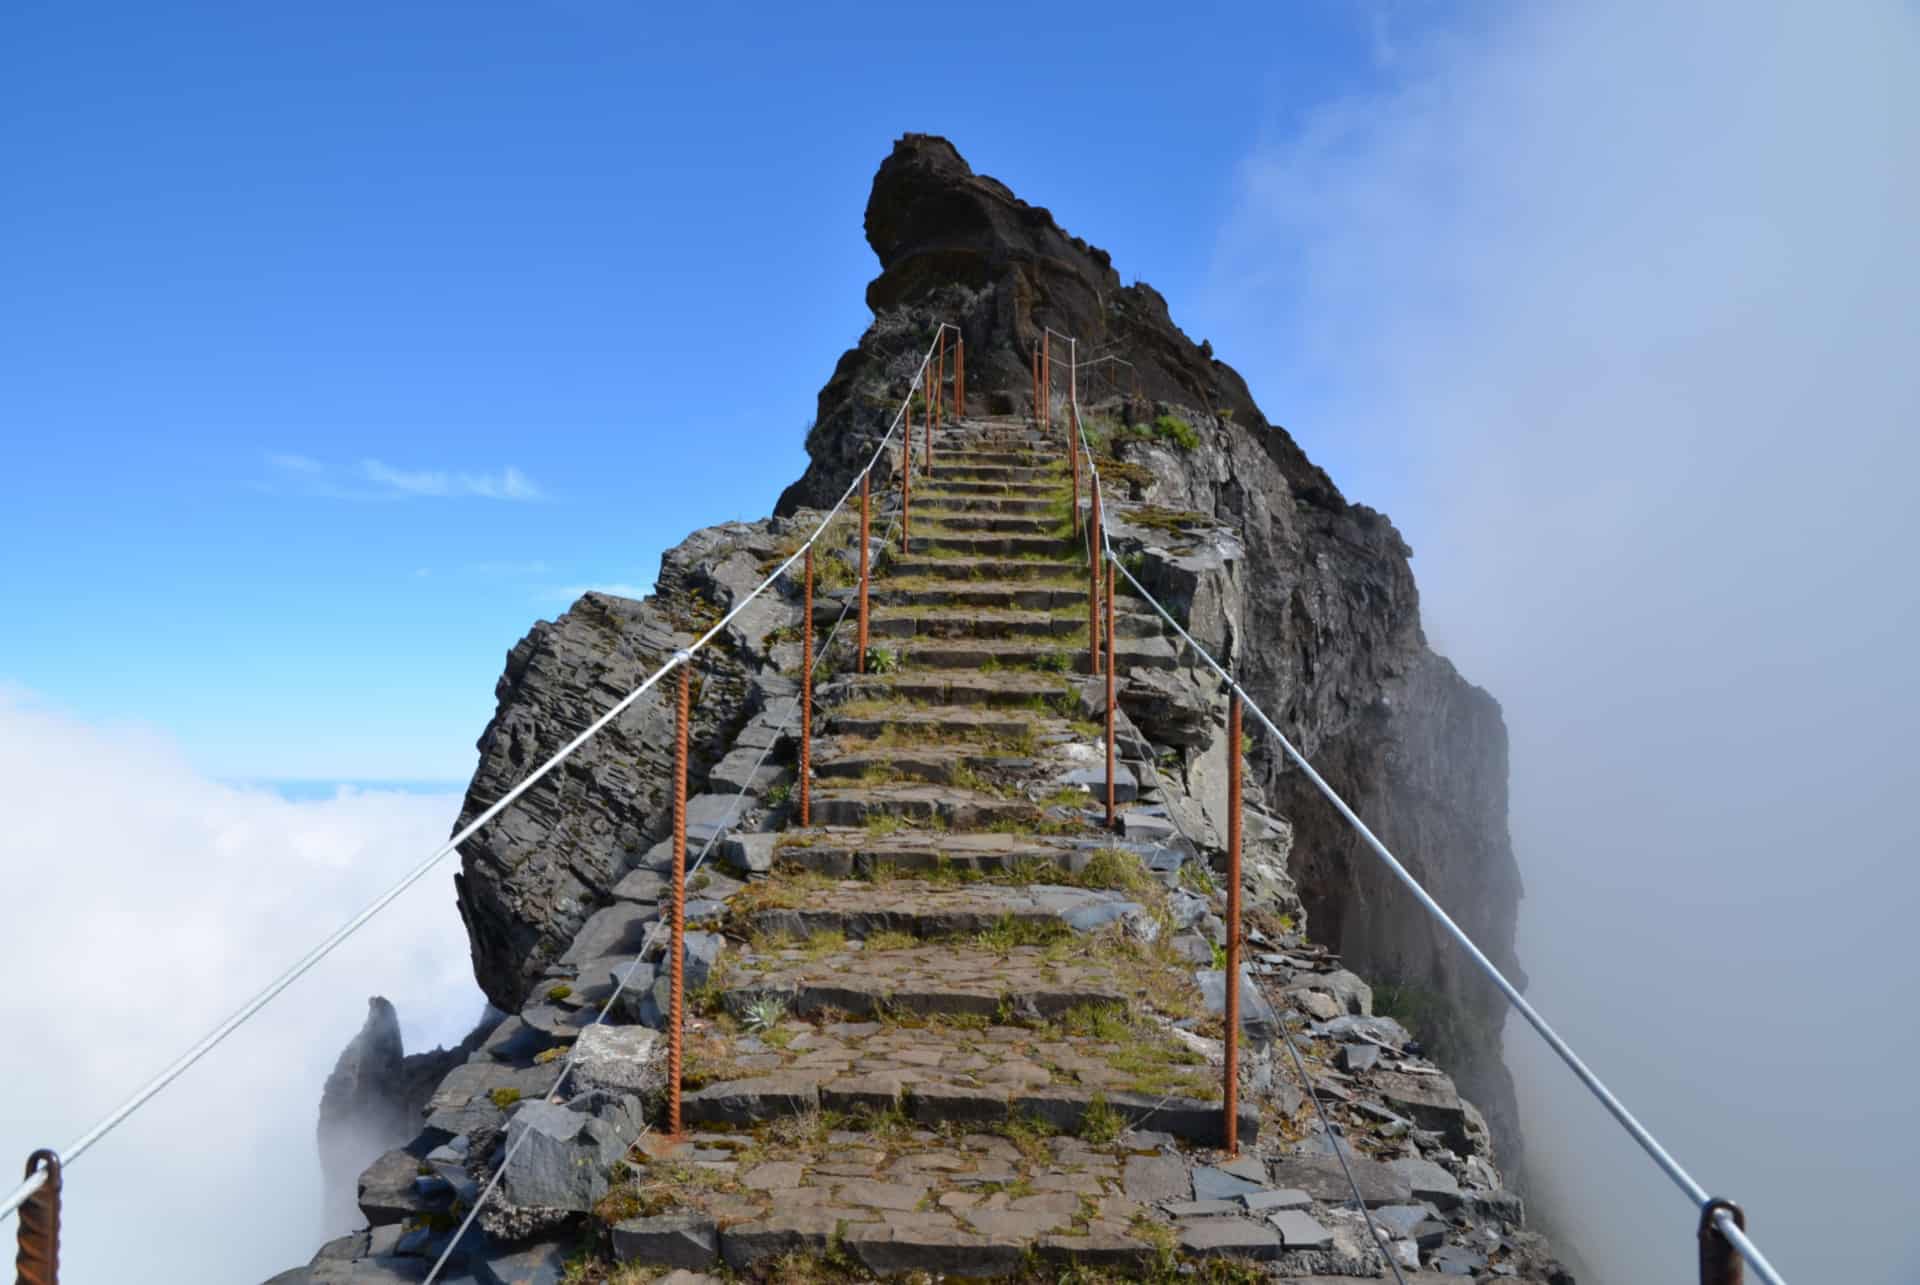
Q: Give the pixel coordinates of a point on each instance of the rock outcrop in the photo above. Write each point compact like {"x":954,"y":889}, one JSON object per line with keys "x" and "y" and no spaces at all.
{"x":1307,"y":596}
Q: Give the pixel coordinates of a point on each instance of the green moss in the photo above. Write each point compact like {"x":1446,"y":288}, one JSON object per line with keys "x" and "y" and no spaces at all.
{"x":504,"y":1098}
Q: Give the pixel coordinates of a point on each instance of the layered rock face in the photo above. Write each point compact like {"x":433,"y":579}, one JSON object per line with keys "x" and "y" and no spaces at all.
{"x":1307,"y":597}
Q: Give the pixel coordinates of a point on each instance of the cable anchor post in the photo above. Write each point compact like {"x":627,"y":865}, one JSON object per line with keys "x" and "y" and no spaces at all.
{"x":806,"y":695}
{"x":38,"y":1262}
{"x":959,"y":375}
{"x":1113,"y":710}
{"x":1230,"y":1084}
{"x":866,"y":540}
{"x":677,"y":941}
{"x":906,"y":479}
{"x":1046,"y":380}
{"x":1720,"y":1263}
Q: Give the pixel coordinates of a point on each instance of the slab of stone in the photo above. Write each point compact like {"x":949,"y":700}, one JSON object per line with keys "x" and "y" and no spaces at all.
{"x":1430,"y":1101}
{"x":1429,"y":1182}
{"x":620,"y":1059}
{"x":1204,"y":1208}
{"x":669,"y":1240}
{"x":774,"y":1175}
{"x":1299,"y":1230}
{"x":744,"y":1244}
{"x":1152,"y":1179}
{"x":561,"y":1157}
{"x":619,"y":929}
{"x":1401,"y":1219}
{"x":1231,"y":1237}
{"x":1269,"y":1200}
{"x":537,"y":1265}
{"x":389,"y":1193}
{"x":749,"y":853}
{"x":1099,"y":1247}
{"x":1212,"y":1183}
{"x":1257,"y":1017}
{"x":1323,"y":1178}
{"x":1356,"y":1058}
{"x":750,"y":1101}
{"x":888,"y":1248}
{"x":746,"y":771}
{"x":1250,"y":1167}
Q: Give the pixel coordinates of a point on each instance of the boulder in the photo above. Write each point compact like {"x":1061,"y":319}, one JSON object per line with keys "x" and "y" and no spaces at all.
{"x":1257,"y":1018}
{"x":670,"y":1240}
{"x":560,"y":1157}
{"x":621,"y":1059}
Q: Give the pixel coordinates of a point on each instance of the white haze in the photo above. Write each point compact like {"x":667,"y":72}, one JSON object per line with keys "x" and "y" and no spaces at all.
{"x":1622,"y":298}
{"x":146,"y":902}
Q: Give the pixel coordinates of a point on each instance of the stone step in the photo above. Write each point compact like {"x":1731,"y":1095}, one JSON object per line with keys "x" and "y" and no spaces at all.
{"x":906,"y":622}
{"x":986,"y":569}
{"x":954,"y":807}
{"x":1002,"y":454}
{"x":975,"y":546}
{"x":860,"y":909}
{"x":1023,"y":595}
{"x":1150,"y":651}
{"x":938,"y":764}
{"x":842,"y":853}
{"x":937,"y":722}
{"x":961,"y":687}
{"x":931,"y":503}
{"x":959,"y":469}
{"x":943,"y":486}
{"x":989,"y":523}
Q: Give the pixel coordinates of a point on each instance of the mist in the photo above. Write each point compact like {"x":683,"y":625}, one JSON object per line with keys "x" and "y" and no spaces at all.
{"x":145,"y":903}
{"x":1616,"y":309}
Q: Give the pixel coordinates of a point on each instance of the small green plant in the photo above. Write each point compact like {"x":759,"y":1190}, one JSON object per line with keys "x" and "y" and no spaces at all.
{"x":1220,"y":956}
{"x":1171,"y":428}
{"x":550,"y":1055}
{"x":882,"y":660}
{"x":560,"y":992}
{"x":1052,"y":662}
{"x":1101,"y":1124}
{"x":763,"y":1014}
{"x":504,"y":1098}
{"x":778,"y":795}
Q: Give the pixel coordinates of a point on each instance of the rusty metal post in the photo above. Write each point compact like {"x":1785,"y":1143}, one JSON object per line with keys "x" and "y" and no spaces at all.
{"x":1112,"y":707}
{"x":906,"y":480}
{"x":1720,"y":1263}
{"x":1073,"y":460}
{"x":38,"y":1262}
{"x":933,"y":394}
{"x":806,"y":697}
{"x":677,"y":942}
{"x":860,"y":637}
{"x":1093,"y":582}
{"x":1231,"y":1072}
{"x":959,"y":376}
{"x":940,"y":384}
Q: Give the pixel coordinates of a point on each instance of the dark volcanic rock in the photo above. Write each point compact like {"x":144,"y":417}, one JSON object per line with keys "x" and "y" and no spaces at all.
{"x":1276,"y":572}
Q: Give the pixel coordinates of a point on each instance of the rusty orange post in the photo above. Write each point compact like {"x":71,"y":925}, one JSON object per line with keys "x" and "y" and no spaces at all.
{"x":906,"y":480}
{"x":933,"y":391}
{"x":1073,"y":460}
{"x":806,"y":696}
{"x":940,"y":381}
{"x":860,"y":636}
{"x":38,"y":1262}
{"x":1231,"y":1072}
{"x":1112,"y":710}
{"x":677,"y":943}
{"x":959,"y":376}
{"x":1034,"y":360}
{"x":1720,"y":1263}
{"x":1093,"y":582}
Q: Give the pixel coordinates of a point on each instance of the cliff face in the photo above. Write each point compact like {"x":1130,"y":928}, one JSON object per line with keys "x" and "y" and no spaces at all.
{"x":1312,"y":601}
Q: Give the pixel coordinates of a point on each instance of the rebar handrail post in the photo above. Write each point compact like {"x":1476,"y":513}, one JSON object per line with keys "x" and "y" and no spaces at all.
{"x":939,"y":384}
{"x":38,"y":1260}
{"x":906,"y":481}
{"x":1719,"y":1263}
{"x":1073,"y":463}
{"x":1093,"y":579}
{"x":677,"y":940}
{"x":1112,"y":707}
{"x":1046,"y":379}
{"x":1230,"y":1084}
{"x":959,"y":376}
{"x":806,"y":697}
{"x":866,"y":539}
{"x":1033,"y":360}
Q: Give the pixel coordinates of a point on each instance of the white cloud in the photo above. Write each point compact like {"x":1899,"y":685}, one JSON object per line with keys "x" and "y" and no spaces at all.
{"x":1626,"y":295}
{"x":508,"y":484}
{"x":146,"y":903}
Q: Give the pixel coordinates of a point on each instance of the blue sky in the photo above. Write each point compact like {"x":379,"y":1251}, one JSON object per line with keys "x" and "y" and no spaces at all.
{"x":345,"y":341}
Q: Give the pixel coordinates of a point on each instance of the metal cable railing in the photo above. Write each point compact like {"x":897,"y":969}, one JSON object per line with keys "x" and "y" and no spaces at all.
{"x":45,"y":1179}
{"x":1718,"y":1217}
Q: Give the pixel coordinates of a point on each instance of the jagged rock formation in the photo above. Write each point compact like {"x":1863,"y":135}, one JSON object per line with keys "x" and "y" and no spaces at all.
{"x":956,"y":1025}
{"x":1308,"y":596}
{"x":373,"y":1101}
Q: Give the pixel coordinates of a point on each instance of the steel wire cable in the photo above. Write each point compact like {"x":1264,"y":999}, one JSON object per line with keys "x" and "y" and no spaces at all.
{"x":85,"y":1142}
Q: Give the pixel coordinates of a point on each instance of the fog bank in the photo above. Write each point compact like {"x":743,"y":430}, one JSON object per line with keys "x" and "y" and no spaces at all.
{"x":146,"y":902}
{"x":1616,"y":308}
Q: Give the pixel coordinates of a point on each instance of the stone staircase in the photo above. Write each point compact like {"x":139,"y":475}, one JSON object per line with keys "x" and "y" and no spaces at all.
{"x":952,"y":1032}
{"x":955,"y":1026}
